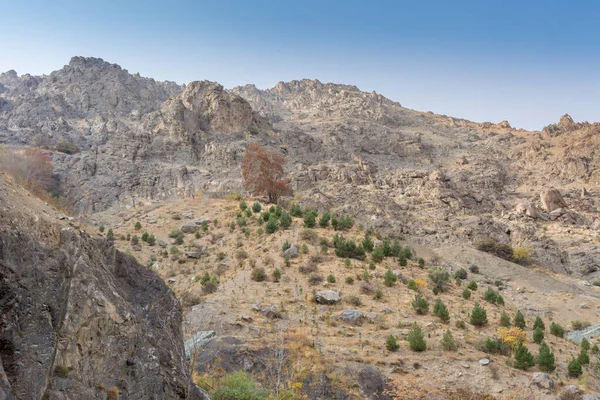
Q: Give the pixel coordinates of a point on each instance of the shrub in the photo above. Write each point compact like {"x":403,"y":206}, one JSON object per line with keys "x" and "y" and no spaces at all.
{"x":367,"y":243}
{"x":331,"y":278}
{"x":371,"y":265}
{"x":353,"y":300}
{"x":474,"y":268}
{"x":276,"y":275}
{"x":461,"y":274}
{"x":519,"y":320}
{"x":545,"y":358}
{"x":151,"y":240}
{"x":421,"y":262}
{"x":378,"y":294}
{"x":296,"y":211}
{"x":523,"y":358}
{"x":315,"y":279}
{"x":412,"y":285}
{"x":557,"y":330}
{"x":309,"y":219}
{"x":344,"y":223}
{"x":574,"y":368}
{"x":595,"y":350}
{"x":466,"y":294}
{"x":349,"y":280}
{"x":243,"y":206}
{"x":209,"y":283}
{"x":197,"y":235}
{"x":272,"y":224}
{"x":440,"y":309}
{"x":416,"y":339}
{"x":285,"y":220}
{"x":101,"y":228}
{"x":585,"y":344}
{"x":495,"y":346}
{"x":258,"y":274}
{"x":504,"y":320}
{"x":286,"y":245}
{"x":308,"y":267}
{"x":256,"y":207}
{"x":324,"y":220}
{"x":583,"y":358}
{"x":472,"y":285}
{"x":145,"y":236}
{"x":174,"y":233}
{"x":389,"y":278}
{"x":420,"y":305}
{"x":377,"y":255}
{"x":596,"y":282}
{"x":498,"y":249}
{"x":491,"y":296}
{"x":238,"y":386}
{"x":138,"y":226}
{"x":512,"y":336}
{"x":309,"y":235}
{"x":347,"y":248}
{"x":135,"y":240}
{"x":179,"y":239}
{"x":391,"y":344}
{"x":448,"y":342}
{"x":538,"y":335}
{"x":578,"y":325}
{"x":521,"y":255}
{"x":403,"y":261}
{"x":439,"y":277}
{"x":110,"y":235}
{"x":538,"y":323}
{"x":478,"y":316}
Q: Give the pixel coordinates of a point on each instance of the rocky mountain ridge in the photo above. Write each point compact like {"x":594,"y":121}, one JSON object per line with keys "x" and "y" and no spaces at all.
{"x":432,"y":177}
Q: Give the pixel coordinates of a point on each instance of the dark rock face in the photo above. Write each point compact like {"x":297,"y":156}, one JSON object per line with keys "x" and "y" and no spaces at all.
{"x":78,"y":318}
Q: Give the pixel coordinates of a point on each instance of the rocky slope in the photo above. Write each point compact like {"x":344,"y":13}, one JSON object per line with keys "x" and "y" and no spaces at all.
{"x":79,"y":319}
{"x":434,"y":178}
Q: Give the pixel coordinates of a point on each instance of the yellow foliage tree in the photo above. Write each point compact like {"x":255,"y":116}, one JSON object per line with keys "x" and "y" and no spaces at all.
{"x":512,"y":336}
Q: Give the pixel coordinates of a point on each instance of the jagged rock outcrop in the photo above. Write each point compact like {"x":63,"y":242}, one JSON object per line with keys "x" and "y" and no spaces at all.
{"x":552,"y":200}
{"x":77,"y":317}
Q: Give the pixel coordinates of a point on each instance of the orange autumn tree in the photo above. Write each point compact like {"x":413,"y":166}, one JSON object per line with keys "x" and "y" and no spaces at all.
{"x":262,"y":172}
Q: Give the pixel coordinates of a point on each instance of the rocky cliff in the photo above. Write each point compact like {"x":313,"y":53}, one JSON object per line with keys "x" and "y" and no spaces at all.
{"x":78,"y":319}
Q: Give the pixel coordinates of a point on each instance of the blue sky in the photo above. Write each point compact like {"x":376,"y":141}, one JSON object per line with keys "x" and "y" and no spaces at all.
{"x":488,"y":60}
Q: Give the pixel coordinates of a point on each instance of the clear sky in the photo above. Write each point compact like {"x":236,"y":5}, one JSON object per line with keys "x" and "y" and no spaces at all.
{"x":526,"y":61}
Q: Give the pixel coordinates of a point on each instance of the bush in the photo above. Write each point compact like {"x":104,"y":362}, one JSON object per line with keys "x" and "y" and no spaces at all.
{"x":504,"y":320}
{"x":596,"y":282}
{"x":286,"y":245}
{"x":310,"y":219}
{"x":440,"y":309}
{"x":138,"y":226}
{"x":256,"y":207}
{"x":538,"y":335}
{"x":371,"y":265}
{"x":347,"y":248}
{"x":472,"y":285}
{"x":495,"y":346}
{"x":421,"y":262}
{"x":523,"y":358}
{"x":585,"y":344}
{"x":478,"y":316}
{"x":389,"y":278}
{"x":538,"y":323}
{"x":179,"y":239}
{"x":110,"y":235}
{"x":583,"y":358}
{"x":474,"y":268}
{"x":448,"y":342}
{"x":522,"y":255}
{"x":285,"y":220}
{"x":412,"y":285}
{"x":461,"y":274}
{"x":353,"y":300}
{"x":519,"y":320}
{"x":512,"y":336}
{"x":466,"y":294}
{"x":367,"y":243}
{"x":439,"y":277}
{"x":498,"y":249}
{"x":315,"y":279}
{"x":276,"y":275}
{"x":309,"y":235}
{"x":174,"y":233}
{"x":349,"y":280}
{"x":145,"y":236}
{"x":258,"y":274}
{"x":377,"y":255}
{"x":209,"y":283}
{"x":557,"y":330}
{"x":420,"y":305}
{"x":574,"y":368}
{"x":272,"y":224}
{"x":135,"y":240}
{"x":545,"y":358}
{"x":343,"y":223}
{"x":491,"y":296}
{"x":416,"y":339}
{"x":243,"y":206}
{"x":296,"y":211}
{"x":324,"y":220}
{"x":101,"y":228}
{"x":331,"y":278}
{"x":238,"y":386}
{"x":391,"y":344}
{"x":151,"y":240}
{"x":578,"y":325}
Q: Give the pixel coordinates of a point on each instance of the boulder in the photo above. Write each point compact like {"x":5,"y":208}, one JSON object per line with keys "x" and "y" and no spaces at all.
{"x":292,"y":252}
{"x":189,"y":227}
{"x":552,"y":199}
{"x":372,"y":383}
{"x":351,"y":317}
{"x":327,"y":297}
{"x":542,"y":380}
{"x":196,"y":253}
{"x":572,"y":389}
{"x":201,"y":220}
